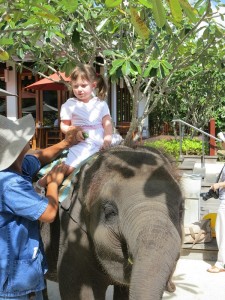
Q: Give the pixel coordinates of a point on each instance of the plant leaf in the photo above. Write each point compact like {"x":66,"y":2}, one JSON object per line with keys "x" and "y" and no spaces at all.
{"x":137,"y":65}
{"x":176,"y":10}
{"x":158,"y":13}
{"x":126,"y":68}
{"x":113,"y":3}
{"x":101,"y":25}
{"x":116,"y":64}
{"x":164,"y":70}
{"x":190,"y":12}
{"x":146,"y":3}
{"x":147,"y":71}
{"x":108,"y":52}
{"x":4,"y":55}
{"x":6,"y":41}
{"x":49,"y":16}
{"x":139,"y":26}
{"x":166,"y":64}
{"x":70,"y":5}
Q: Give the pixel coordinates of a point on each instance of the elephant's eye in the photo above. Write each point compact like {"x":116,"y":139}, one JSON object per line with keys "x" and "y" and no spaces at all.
{"x":110,"y":210}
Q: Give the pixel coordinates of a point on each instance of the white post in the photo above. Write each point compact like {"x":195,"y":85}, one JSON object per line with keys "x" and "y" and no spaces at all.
{"x":114,"y":107}
{"x":11,"y":86}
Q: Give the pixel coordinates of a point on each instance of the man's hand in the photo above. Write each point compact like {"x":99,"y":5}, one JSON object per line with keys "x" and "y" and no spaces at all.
{"x":71,"y":136}
{"x":57,"y":174}
{"x":80,"y":137}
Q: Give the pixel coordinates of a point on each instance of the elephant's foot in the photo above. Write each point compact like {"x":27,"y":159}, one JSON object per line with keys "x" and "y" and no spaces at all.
{"x":170,"y":287}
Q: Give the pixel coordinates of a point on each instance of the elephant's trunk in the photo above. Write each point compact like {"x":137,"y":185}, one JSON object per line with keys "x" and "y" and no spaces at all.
{"x":155,"y":248}
{"x":150,"y":276}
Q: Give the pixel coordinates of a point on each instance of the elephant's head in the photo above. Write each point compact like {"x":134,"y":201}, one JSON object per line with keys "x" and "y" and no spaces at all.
{"x":134,"y":209}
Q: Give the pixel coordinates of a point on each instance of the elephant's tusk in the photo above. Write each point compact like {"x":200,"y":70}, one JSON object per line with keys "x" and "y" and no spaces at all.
{"x":130,"y":261}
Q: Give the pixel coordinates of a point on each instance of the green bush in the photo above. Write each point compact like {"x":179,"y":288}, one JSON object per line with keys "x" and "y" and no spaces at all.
{"x":172,"y":147}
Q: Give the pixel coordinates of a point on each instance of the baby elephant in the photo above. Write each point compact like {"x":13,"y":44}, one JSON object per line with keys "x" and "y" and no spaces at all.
{"x":122,"y":226}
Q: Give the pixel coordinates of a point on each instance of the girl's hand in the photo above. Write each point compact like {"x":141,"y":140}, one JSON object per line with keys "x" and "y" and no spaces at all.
{"x":57,"y":174}
{"x":107,"y":142}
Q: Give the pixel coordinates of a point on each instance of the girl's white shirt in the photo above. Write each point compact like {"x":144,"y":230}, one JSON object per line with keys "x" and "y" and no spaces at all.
{"x":84,"y":114}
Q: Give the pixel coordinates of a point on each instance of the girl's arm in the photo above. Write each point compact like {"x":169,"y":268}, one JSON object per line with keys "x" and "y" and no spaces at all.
{"x":65,"y":125}
{"x":47,"y":155}
{"x":107,"y":125}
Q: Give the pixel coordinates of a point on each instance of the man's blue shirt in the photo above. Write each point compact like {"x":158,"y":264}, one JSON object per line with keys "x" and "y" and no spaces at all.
{"x":22,"y":262}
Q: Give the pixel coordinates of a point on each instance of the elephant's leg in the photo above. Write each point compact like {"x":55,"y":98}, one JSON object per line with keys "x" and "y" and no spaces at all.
{"x":120,"y":293}
{"x":82,"y":289}
{"x":50,"y":237}
{"x":79,"y":274}
{"x":45,"y":293}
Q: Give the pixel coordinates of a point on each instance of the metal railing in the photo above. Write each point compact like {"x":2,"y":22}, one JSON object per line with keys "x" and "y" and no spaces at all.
{"x":181,"y":123}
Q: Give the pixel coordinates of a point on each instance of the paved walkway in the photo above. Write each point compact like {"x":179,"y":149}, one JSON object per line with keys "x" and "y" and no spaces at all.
{"x":192,"y":281}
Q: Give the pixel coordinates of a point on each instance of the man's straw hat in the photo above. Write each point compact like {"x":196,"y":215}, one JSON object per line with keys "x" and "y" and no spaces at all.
{"x":14,"y":135}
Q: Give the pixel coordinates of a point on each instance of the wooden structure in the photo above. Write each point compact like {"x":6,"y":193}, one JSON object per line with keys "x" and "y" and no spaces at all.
{"x":53,"y":136}
{"x":123,"y":128}
{"x":44,"y":135}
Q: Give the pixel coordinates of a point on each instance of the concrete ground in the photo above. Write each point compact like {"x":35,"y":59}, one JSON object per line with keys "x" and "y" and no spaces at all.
{"x":192,"y":281}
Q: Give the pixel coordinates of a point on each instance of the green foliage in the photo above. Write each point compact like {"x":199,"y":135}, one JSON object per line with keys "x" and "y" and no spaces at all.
{"x":172,"y":147}
{"x":157,"y":47}
{"x":197,"y":95}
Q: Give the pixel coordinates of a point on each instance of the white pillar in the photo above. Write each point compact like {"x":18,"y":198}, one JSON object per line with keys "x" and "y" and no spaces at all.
{"x":11,"y":86}
{"x":113,"y":101}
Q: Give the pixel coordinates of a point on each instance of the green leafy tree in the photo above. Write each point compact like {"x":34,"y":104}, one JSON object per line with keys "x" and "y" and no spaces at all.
{"x":146,"y":42}
{"x":197,"y":100}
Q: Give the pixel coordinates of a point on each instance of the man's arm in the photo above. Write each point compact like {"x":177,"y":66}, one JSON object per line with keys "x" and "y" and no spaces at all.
{"x":47,"y":155}
{"x":54,"y":179}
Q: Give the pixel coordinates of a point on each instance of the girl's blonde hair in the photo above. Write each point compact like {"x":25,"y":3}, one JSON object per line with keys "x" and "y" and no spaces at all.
{"x":88,"y":73}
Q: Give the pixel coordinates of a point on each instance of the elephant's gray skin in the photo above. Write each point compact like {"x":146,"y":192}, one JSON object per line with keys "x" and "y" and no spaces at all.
{"x":122,"y":227}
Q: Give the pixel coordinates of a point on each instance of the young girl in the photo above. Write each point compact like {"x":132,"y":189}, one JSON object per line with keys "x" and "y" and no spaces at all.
{"x":88,"y":112}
